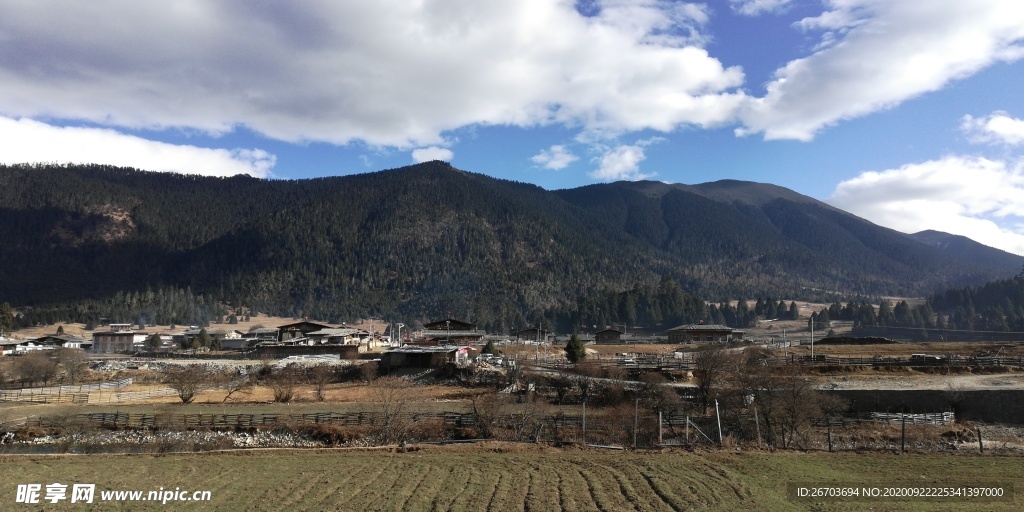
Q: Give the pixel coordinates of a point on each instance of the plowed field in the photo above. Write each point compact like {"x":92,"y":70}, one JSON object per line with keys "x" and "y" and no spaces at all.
{"x":510,"y":477}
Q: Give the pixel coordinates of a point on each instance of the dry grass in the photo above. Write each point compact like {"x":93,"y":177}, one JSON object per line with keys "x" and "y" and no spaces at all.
{"x":907,"y":349}
{"x":79,"y":329}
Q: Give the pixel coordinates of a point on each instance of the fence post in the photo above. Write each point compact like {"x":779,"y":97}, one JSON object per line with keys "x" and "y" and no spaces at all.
{"x":660,"y":441}
{"x":903,"y":433}
{"x":758,"y":425}
{"x":584,"y":422}
{"x":636,"y":416}
{"x":719,"y":418}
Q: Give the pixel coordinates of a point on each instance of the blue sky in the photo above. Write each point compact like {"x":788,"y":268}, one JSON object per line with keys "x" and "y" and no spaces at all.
{"x":904,"y":112}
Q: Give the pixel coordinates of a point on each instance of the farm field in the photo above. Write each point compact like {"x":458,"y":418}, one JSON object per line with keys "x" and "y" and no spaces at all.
{"x":506,"y":477}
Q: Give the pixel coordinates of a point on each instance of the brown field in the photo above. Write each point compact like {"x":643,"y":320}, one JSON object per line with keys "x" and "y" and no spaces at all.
{"x":907,"y":349}
{"x":507,"y":477}
{"x":343,"y":397}
{"x":79,"y":329}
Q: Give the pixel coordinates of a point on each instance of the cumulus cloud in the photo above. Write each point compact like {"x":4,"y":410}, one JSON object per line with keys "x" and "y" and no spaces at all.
{"x":975,"y":197}
{"x":556,"y":157}
{"x":623,"y":162}
{"x":997,"y":128}
{"x":28,"y":141}
{"x":389,"y":72}
{"x":876,"y":54}
{"x":757,"y":7}
{"x":431,"y":153}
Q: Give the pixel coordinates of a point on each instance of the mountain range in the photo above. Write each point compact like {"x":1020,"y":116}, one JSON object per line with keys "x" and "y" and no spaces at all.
{"x":429,"y":239}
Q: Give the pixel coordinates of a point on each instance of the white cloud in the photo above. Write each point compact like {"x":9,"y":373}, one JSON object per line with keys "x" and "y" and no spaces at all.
{"x":28,"y":141}
{"x":431,"y":153}
{"x":876,"y":54}
{"x":623,"y":162}
{"x":757,"y":7}
{"x":389,"y":72}
{"x":556,"y":157}
{"x":997,"y":128}
{"x":975,"y":197}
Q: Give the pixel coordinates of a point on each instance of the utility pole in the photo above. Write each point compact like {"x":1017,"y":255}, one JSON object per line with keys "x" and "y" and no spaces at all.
{"x":812,"y":340}
{"x":636,"y":418}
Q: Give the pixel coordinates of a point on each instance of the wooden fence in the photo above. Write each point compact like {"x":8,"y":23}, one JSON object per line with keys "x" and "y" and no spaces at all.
{"x":687,"y":364}
{"x":58,"y":394}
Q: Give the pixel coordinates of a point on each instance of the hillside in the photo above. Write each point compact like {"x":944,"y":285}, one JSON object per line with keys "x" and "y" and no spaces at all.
{"x":965,"y":248}
{"x":426,"y":239}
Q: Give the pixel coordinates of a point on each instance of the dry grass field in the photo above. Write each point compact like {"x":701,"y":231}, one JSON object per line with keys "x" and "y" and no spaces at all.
{"x":78,"y":329}
{"x":506,"y":477}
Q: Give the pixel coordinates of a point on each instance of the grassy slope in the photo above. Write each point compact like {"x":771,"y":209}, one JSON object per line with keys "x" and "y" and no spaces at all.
{"x":503,"y":478}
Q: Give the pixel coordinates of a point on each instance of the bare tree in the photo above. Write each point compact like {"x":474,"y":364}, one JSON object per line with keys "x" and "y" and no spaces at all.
{"x":392,"y":396}
{"x":368,"y":371}
{"x":711,"y":367}
{"x":587,"y":385}
{"x":321,"y":375}
{"x":562,"y":385}
{"x":955,"y":396}
{"x":187,"y":380}
{"x":73,"y":362}
{"x":234,"y":382}
{"x":657,"y":394}
{"x":800,"y":403}
{"x":282,"y":383}
{"x":487,"y":408}
{"x":35,"y":367}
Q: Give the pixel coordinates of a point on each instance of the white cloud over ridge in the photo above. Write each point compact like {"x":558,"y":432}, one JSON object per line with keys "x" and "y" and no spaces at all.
{"x":556,"y":157}
{"x":971,"y":196}
{"x":427,"y":154}
{"x":391,"y":72}
{"x":876,"y":54}
{"x":28,"y":141}
{"x":996,"y":128}
{"x":623,"y":162}
{"x":757,"y":7}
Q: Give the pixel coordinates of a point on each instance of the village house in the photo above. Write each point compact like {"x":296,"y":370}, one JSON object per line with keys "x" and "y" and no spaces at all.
{"x":63,"y":341}
{"x":426,"y":357}
{"x":340,"y":336}
{"x":608,"y":336}
{"x":298,"y":330}
{"x":117,"y":338}
{"x":535,"y":334}
{"x":449,"y":332}
{"x":12,"y":346}
{"x":710,"y":333}
{"x":264,"y":334}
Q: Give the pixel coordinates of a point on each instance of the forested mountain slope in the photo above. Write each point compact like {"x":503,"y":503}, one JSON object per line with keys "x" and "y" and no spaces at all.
{"x":426,"y":239}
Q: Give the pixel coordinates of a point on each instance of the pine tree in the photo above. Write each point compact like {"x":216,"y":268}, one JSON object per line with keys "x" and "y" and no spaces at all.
{"x":6,"y":318}
{"x":575,"y":351}
{"x":154,"y":342}
{"x":489,"y":348}
{"x":204,"y":338}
